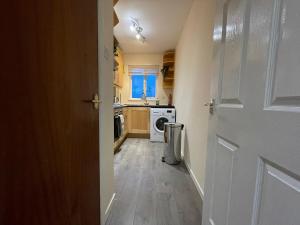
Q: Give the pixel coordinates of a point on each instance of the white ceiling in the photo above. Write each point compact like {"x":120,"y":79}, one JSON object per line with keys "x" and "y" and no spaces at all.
{"x":162,"y":21}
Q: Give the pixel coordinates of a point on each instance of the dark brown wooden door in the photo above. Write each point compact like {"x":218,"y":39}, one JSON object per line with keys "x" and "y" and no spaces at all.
{"x":49,"y":156}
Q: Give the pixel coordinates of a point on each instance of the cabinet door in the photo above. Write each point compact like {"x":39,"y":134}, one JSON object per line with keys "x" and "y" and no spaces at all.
{"x":138,"y":121}
{"x":125,"y":114}
{"x":121,"y":68}
{"x":118,"y":80}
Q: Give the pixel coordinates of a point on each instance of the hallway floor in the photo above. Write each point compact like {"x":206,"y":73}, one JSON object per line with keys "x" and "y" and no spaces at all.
{"x":149,"y":192}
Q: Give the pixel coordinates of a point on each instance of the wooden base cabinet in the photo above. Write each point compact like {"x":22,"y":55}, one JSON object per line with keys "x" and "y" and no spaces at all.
{"x":138,"y":120}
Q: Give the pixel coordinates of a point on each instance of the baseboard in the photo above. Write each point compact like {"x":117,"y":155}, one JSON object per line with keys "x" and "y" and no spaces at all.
{"x":136,"y":135}
{"x":107,"y":211}
{"x":199,"y":189}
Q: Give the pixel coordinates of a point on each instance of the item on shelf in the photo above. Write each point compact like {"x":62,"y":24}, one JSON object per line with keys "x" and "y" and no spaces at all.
{"x":165,"y":70}
{"x":168,"y":69}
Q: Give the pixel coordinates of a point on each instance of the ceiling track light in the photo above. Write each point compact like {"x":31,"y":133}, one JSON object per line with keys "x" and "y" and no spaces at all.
{"x":135,"y":27}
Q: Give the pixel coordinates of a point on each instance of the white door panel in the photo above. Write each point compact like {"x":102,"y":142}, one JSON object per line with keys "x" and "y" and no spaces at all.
{"x":224,"y":158}
{"x":233,"y":12}
{"x":283,"y":73}
{"x":253,"y":160}
{"x":277,"y":197}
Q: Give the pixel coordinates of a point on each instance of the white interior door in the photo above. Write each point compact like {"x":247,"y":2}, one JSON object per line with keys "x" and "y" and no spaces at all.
{"x":253,"y":164}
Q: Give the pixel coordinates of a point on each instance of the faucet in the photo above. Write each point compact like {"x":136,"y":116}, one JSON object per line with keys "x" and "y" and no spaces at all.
{"x":144,"y":97}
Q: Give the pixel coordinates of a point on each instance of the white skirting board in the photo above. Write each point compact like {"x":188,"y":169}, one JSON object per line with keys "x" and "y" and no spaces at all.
{"x":107,"y":211}
{"x":199,"y":189}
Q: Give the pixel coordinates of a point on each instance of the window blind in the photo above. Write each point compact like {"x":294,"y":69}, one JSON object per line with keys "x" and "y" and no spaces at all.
{"x":143,"y":70}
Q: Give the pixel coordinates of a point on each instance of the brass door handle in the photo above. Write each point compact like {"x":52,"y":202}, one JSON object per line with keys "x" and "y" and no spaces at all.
{"x":95,"y":101}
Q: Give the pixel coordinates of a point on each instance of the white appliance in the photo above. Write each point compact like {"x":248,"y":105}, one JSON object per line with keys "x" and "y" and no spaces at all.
{"x":158,"y":117}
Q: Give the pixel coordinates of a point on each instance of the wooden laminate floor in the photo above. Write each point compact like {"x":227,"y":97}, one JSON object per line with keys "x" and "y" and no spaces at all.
{"x":149,"y":192}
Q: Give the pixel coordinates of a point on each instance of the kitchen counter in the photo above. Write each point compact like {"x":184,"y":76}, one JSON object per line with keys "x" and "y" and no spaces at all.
{"x":117,"y":106}
{"x":150,"y":106}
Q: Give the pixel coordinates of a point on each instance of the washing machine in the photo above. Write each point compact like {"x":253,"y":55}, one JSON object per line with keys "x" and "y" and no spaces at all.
{"x":158,"y":117}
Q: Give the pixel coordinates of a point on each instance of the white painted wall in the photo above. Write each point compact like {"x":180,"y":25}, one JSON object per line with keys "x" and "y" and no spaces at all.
{"x":143,"y":59}
{"x":105,"y":9}
{"x":192,"y":85}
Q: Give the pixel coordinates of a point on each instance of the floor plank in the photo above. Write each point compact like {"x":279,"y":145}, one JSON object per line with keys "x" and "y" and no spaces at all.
{"x":150,"y":192}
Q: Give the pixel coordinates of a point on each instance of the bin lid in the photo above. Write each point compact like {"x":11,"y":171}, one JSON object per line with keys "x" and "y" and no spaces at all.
{"x":174,"y":124}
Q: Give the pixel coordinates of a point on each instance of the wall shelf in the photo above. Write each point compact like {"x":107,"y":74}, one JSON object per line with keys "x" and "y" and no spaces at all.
{"x":168,"y":69}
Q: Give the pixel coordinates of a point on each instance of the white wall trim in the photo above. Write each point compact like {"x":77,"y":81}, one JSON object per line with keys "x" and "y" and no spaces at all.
{"x":107,"y":211}
{"x":199,"y":188}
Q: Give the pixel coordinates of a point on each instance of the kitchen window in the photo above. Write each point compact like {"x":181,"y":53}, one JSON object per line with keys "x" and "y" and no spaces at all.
{"x":143,"y":81}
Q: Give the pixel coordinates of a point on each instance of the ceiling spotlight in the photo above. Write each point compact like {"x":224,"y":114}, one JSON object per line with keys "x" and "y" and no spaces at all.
{"x":139,"y":29}
{"x":135,"y":27}
{"x":132,"y":28}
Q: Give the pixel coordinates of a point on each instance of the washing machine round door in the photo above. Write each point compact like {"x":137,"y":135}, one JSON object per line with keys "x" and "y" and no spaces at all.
{"x":159,"y":124}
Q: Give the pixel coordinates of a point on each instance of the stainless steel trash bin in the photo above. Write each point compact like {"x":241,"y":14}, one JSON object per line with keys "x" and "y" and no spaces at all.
{"x":172,"y":150}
